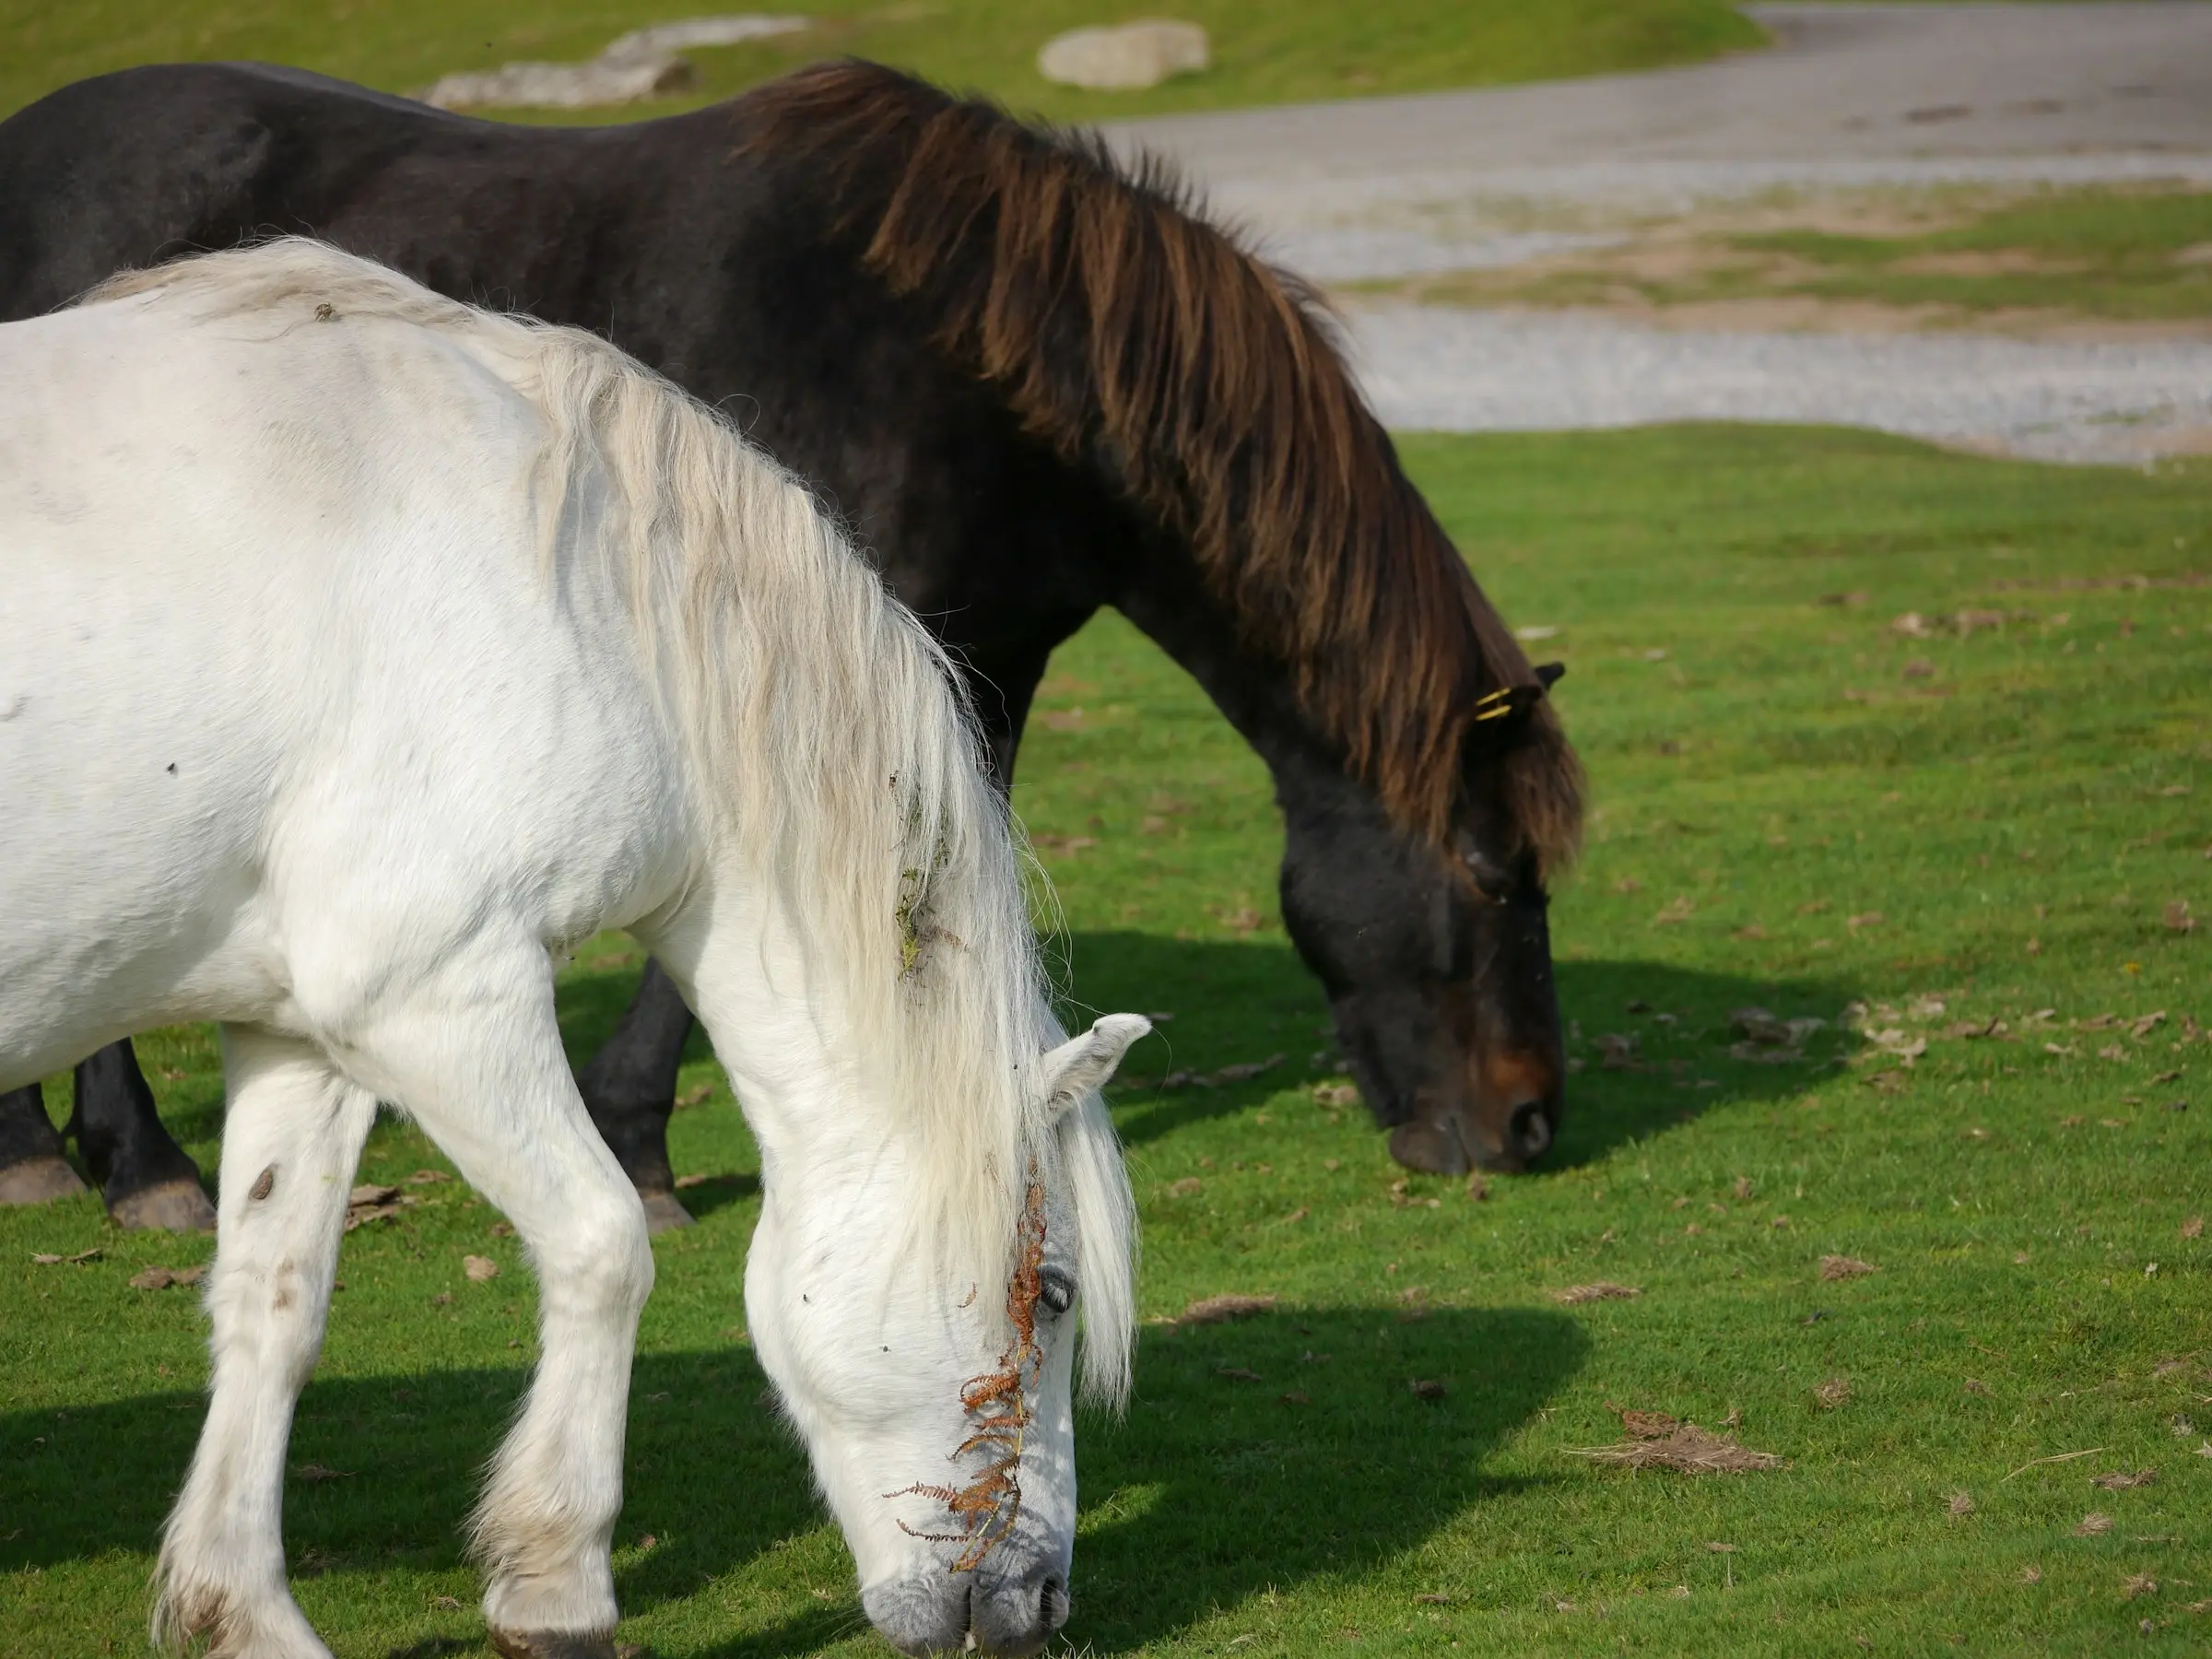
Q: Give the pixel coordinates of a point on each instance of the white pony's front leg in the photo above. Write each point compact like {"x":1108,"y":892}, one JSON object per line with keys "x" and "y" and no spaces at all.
{"x":477,"y":1060}
{"x":292,"y":1134}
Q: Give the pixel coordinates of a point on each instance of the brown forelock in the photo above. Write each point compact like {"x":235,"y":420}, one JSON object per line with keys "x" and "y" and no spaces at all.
{"x":1133,"y":336}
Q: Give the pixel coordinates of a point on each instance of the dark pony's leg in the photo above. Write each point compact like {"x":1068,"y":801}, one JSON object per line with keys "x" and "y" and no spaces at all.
{"x":148,"y":1180}
{"x":31,"y":1167}
{"x":629,"y":1089}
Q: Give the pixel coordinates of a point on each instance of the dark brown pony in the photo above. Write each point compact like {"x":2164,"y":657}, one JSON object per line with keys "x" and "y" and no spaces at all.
{"x":1035,"y":381}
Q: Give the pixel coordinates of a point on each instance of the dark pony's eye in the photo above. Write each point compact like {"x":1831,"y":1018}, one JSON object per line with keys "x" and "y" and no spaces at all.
{"x":1491,"y":883}
{"x":1055,"y":1288}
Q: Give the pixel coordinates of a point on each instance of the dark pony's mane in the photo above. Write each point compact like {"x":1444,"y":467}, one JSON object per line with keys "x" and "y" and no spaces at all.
{"x":1135,"y":337}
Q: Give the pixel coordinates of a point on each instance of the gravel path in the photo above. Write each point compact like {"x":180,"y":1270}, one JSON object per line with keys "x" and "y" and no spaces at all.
{"x":1437,"y":370}
{"x":1851,"y":98}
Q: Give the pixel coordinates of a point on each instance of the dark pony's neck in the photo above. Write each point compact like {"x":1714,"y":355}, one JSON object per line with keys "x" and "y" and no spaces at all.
{"x":1141,"y":341}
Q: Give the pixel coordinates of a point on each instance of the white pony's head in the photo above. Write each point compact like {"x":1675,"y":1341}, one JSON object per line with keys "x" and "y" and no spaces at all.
{"x":939,"y":1416}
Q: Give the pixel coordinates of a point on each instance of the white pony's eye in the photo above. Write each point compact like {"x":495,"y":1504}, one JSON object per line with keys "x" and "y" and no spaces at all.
{"x":1055,"y":1289}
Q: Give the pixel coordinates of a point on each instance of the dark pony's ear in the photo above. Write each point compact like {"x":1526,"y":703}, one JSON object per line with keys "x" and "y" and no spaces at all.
{"x":1509,"y":705}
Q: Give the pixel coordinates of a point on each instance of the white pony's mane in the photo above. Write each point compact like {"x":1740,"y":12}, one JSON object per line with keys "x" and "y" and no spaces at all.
{"x":842,"y":755}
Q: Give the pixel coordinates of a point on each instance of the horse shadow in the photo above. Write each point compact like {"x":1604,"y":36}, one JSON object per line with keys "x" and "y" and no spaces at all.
{"x":1242,"y":1002}
{"x":1254,"y":1456}
{"x":1222,"y":992}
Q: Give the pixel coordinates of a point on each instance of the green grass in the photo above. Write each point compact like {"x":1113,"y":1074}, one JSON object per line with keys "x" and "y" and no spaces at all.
{"x":1770,"y":760}
{"x":2126,"y":255}
{"x":1264,"y":50}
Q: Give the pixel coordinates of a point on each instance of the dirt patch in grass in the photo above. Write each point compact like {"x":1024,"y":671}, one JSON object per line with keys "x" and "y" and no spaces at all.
{"x":1686,"y":1449}
{"x":1223,"y":1310}
{"x":1604,"y":1290}
{"x":2058,"y":265}
{"x":2122,"y":1480}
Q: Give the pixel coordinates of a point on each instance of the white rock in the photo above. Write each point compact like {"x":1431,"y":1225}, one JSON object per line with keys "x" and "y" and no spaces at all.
{"x":665,"y":38}
{"x":1126,"y":59}
{"x":643,"y":64}
{"x":560,"y":85}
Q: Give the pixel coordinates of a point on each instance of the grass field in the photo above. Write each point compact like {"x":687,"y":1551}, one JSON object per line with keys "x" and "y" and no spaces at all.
{"x":1264,"y":50}
{"x":1946,"y":258}
{"x":1799,"y":804}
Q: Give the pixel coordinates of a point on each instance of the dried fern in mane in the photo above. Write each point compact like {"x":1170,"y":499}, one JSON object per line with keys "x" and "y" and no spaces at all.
{"x":1135,"y":337}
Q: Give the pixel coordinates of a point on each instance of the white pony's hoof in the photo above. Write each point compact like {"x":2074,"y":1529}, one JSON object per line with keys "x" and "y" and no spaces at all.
{"x":38,"y":1180}
{"x":548,"y":1644}
{"x":173,"y":1207}
{"x":222,"y":1622}
{"x":663,"y":1214}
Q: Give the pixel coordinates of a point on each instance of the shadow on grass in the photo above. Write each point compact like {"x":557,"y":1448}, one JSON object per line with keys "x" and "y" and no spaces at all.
{"x":707,"y":1196}
{"x":1688,"y":1069}
{"x":1212,"y":1489}
{"x":1244,"y":1001}
{"x":1240,"y":1001}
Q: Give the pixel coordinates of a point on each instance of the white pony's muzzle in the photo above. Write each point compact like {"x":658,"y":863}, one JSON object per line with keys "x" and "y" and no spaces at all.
{"x":984,"y":1611}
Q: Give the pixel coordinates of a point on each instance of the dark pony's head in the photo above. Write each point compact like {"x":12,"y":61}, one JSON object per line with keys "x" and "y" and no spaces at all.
{"x":1428,"y":788}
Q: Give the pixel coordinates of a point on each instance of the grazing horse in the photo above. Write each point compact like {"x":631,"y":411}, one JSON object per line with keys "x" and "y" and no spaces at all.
{"x":369,"y":652}
{"x":1035,"y":381}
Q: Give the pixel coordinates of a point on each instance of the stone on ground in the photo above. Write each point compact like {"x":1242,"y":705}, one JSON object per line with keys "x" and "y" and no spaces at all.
{"x":641,"y":63}
{"x":665,"y":38}
{"x":560,"y":85}
{"x":1126,"y":59}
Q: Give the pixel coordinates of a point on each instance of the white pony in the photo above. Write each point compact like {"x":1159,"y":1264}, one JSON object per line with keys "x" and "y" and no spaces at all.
{"x":361,"y":650}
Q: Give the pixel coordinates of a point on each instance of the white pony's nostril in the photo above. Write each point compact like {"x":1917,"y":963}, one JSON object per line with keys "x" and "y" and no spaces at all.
{"x":1052,"y":1602}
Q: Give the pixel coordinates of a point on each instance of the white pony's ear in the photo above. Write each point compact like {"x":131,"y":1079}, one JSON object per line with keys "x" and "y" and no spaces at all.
{"x":1082,"y":1064}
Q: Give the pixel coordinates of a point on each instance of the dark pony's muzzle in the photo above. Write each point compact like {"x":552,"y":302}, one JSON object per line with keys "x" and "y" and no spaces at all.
{"x":1451,"y":1144}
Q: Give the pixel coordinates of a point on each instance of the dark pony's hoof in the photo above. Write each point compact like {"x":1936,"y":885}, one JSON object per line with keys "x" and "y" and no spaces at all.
{"x":172,"y":1206}
{"x":663,"y":1214}
{"x":1431,"y":1148}
{"x":549,"y":1644}
{"x":38,"y":1180}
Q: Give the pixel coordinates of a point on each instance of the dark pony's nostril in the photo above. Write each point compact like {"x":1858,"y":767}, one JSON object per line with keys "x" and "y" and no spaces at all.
{"x":1530,"y":1129}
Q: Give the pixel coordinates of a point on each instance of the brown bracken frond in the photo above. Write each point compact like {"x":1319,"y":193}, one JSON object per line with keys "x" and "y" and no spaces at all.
{"x":1141,"y":341}
{"x":988,"y":1506}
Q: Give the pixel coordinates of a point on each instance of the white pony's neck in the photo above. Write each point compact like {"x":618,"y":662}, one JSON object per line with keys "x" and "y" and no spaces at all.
{"x":782,"y":1029}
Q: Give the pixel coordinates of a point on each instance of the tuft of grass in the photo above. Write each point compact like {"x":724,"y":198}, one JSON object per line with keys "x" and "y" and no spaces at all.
{"x":2009,"y":830}
{"x":1264,"y":50}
